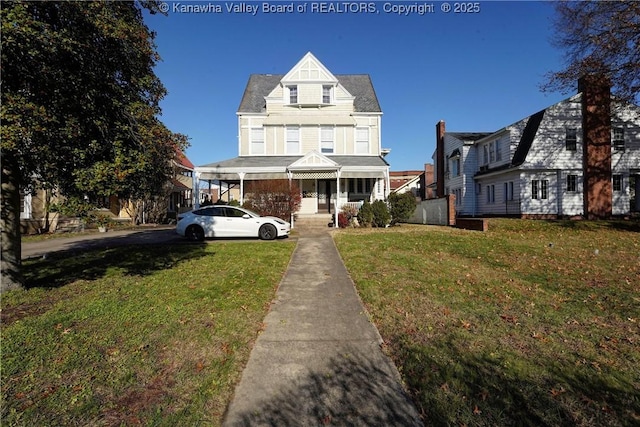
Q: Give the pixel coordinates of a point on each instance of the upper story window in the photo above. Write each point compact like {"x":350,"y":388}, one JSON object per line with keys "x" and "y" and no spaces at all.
{"x":257,"y":141}
{"x":485,"y":150}
{"x":326,"y":94}
{"x":455,"y":166}
{"x":618,"y":139}
{"x":326,"y":140}
{"x":362,"y":140}
{"x":293,"y":140}
{"x":293,"y":94}
{"x":571,"y":139}
{"x":492,"y":153}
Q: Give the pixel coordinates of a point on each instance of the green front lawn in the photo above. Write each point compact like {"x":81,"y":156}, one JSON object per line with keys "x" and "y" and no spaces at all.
{"x":532,"y":323}
{"x":135,"y":336}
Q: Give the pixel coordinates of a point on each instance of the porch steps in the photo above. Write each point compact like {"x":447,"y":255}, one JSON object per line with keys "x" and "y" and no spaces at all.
{"x":313,"y":224}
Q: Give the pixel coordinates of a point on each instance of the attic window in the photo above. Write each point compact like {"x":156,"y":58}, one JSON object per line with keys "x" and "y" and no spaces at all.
{"x":293,"y":94}
{"x":326,"y":94}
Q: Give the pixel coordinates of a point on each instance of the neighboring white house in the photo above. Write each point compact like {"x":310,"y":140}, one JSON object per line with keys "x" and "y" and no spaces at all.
{"x":309,"y":125}
{"x":538,"y":166}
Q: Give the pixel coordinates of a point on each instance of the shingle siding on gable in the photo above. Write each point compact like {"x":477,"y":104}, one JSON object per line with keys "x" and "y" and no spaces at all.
{"x":548,"y":150}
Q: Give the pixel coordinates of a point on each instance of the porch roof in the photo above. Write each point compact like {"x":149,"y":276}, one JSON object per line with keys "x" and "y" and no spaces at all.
{"x":277,"y":167}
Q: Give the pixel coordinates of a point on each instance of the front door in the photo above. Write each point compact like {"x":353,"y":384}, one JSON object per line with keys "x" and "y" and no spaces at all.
{"x":326,"y":195}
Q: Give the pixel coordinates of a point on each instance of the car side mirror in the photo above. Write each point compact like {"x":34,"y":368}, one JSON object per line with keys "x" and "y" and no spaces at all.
{"x":246,"y":216}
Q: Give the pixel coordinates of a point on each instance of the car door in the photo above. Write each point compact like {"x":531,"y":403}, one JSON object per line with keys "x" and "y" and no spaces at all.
{"x":217,"y":223}
{"x":239,"y":225}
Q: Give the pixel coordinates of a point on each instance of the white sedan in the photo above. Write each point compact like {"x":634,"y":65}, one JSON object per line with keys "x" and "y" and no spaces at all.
{"x":229,"y":221}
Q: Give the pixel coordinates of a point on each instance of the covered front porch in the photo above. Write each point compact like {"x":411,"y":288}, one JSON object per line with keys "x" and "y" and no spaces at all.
{"x":327,"y":183}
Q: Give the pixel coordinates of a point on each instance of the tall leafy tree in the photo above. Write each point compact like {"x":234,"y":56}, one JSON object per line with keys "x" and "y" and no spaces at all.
{"x":80,"y":107}
{"x":602,"y":38}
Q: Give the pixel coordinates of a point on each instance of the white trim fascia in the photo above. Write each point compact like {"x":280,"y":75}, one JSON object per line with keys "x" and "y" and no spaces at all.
{"x":246,"y":170}
{"x":493,"y":136}
{"x":367,"y":113}
{"x":240,"y":134}
{"x":287,"y":77}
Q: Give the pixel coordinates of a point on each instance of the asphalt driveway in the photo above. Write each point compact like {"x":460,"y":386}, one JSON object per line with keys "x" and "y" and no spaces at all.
{"x":112,"y":238}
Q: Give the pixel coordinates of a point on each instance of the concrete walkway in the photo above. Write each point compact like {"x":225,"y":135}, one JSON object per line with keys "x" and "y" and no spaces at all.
{"x":319,"y":362}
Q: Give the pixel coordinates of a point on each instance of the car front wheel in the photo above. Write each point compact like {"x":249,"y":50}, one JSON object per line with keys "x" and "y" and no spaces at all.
{"x":268,"y":232}
{"x":195,"y":233}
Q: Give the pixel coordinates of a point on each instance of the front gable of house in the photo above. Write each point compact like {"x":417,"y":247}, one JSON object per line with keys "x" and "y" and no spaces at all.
{"x":309,"y":69}
{"x":309,"y":84}
{"x":313,"y":160}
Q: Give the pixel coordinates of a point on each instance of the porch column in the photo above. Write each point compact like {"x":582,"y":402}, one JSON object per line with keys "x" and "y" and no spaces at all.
{"x":241,"y":175}
{"x":196,"y":190}
{"x":387,"y":184}
{"x":290,"y":176}
{"x":337,"y":202}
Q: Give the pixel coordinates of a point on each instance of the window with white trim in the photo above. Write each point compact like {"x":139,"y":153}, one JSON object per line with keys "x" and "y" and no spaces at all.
{"x":492,"y":153}
{"x":571,"y":139}
{"x":617,"y":182}
{"x":485,"y":150}
{"x":539,"y":189}
{"x":508,"y":191}
{"x":618,"y":139}
{"x":491,"y":193}
{"x":293,"y":94}
{"x":326,"y":94}
{"x":498,"y":152}
{"x":326,"y":140}
{"x":257,"y":141}
{"x":572,"y":183}
{"x":293,"y":140}
{"x":455,"y":166}
{"x":362,"y":140}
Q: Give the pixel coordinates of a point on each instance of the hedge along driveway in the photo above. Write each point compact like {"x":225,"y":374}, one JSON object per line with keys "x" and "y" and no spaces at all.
{"x":151,"y":335}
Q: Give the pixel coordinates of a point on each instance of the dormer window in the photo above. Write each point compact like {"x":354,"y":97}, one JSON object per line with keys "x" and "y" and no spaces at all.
{"x":293,"y":94}
{"x":326,"y":94}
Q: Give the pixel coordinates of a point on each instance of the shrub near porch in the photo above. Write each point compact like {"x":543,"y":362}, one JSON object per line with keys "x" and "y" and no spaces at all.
{"x":531,"y":323}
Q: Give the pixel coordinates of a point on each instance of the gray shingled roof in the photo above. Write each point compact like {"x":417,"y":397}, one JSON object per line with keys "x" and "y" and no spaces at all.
{"x":358,"y":85}
{"x":284,"y":161}
{"x":469,"y":136}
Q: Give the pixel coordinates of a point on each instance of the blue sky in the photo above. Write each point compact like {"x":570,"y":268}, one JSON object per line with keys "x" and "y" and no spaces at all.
{"x":477,"y":71}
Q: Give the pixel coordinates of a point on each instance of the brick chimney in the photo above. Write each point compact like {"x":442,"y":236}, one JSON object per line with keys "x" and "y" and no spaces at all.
{"x":428,"y":180}
{"x":440,"y":130}
{"x":596,"y":140}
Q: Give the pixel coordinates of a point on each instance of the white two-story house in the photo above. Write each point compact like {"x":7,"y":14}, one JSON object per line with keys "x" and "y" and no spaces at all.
{"x":576,"y":158}
{"x":309,"y":125}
